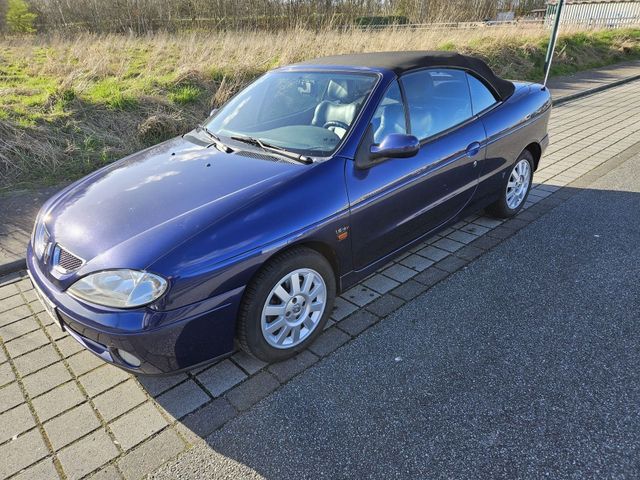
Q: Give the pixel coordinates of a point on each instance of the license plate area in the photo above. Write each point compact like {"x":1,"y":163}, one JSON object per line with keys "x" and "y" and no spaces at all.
{"x":49,"y":307}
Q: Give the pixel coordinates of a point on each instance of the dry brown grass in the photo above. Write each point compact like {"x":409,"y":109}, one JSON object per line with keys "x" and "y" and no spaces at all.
{"x":69,"y":105}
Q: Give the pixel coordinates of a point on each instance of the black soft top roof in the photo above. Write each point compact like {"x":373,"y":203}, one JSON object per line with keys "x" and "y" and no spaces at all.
{"x":401,"y":62}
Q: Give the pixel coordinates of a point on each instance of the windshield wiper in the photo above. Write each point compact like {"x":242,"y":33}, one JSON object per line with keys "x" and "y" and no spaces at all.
{"x":216,"y":139}
{"x":267,"y":147}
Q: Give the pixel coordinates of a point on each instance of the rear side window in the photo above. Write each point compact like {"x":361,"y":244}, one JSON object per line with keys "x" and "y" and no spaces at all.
{"x":438,"y":99}
{"x":481,"y":96}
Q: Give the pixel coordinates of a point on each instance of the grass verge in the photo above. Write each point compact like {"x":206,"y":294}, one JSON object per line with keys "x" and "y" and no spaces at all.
{"x":69,"y":106}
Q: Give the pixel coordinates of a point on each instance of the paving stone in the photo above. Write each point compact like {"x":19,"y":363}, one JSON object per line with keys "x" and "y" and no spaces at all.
{"x":409,"y":290}
{"x":293,"y":366}
{"x":328,"y":341}
{"x":10,"y":396}
{"x":462,"y":237}
{"x":183,"y":399}
{"x":30,"y":296}
{"x":360,"y":295}
{"x":68,"y":346}
{"x":102,"y":378}
{"x":3,"y":356}
{"x":431,"y":276}
{"x":380,"y":284}
{"x":385,"y":305}
{"x":516,"y":223}
{"x":26,"y":343}
{"x":433,"y":253}
{"x":8,"y":291}
{"x":36,"y":307}
{"x":210,"y":417}
{"x":342,"y":308}
{"x":249,"y":363}
{"x":15,"y":421}
{"x":24,"y":285}
{"x":221,"y":377}
{"x":71,"y":425}
{"x":17,"y":454}
{"x":106,"y":473}
{"x":485,"y":242}
{"x":14,"y":315}
{"x":43,"y":470}
{"x":83,"y":362}
{"x":6,"y":374}
{"x":448,"y":245}
{"x":487,"y":222}
{"x":46,"y":379}
{"x":451,"y":264}
{"x":36,"y":360}
{"x":417,"y":262}
{"x":56,"y":333}
{"x":501,"y":232}
{"x":475,"y":229}
{"x":150,"y":455}
{"x":252,"y":391}
{"x":469,"y":252}
{"x":156,"y":385}
{"x":119,"y":400}
{"x":358,"y":322}
{"x":399,"y":272}
{"x":137,"y":425}
{"x":10,"y":302}
{"x":57,"y":401}
{"x":91,"y":453}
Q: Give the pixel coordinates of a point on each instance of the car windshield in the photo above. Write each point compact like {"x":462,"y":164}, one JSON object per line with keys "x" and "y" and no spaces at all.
{"x":305,"y":112}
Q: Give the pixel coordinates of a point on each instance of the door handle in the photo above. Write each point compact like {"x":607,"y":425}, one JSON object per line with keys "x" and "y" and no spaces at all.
{"x":473,"y":149}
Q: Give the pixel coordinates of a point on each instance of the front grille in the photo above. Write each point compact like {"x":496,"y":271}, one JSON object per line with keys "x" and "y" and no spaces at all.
{"x":66,"y":261}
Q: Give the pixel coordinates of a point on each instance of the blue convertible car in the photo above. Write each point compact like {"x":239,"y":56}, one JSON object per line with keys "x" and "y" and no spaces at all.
{"x":303,"y":184}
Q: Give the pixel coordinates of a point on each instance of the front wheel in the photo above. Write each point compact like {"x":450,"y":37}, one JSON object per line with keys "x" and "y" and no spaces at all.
{"x":514,"y":192}
{"x":287,"y":304}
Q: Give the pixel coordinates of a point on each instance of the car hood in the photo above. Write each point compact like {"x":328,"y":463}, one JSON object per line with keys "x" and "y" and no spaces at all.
{"x":139,"y":208}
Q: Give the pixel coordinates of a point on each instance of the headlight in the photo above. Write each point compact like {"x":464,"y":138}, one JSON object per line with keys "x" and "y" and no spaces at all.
{"x":119,"y":288}
{"x":39,"y":238}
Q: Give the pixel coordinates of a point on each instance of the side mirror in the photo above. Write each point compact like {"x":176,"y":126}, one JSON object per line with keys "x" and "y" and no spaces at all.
{"x":213,"y":112}
{"x":395,"y":145}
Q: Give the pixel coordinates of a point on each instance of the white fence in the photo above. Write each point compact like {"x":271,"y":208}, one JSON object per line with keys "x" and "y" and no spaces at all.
{"x":596,"y":14}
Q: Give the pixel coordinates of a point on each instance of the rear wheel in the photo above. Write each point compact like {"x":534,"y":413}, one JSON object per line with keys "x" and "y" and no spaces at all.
{"x":516,"y":189}
{"x":287,"y":304}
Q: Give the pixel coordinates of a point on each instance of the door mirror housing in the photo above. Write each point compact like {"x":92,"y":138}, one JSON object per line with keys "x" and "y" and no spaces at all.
{"x":395,"y":145}
{"x":213,"y":112}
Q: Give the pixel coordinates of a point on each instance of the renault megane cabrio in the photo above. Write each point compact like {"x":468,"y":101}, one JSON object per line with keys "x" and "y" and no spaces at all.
{"x":303,"y":184}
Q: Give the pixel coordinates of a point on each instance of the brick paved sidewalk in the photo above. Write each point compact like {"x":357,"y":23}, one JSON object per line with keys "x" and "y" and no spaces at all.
{"x":64,"y":413}
{"x":20,"y":208}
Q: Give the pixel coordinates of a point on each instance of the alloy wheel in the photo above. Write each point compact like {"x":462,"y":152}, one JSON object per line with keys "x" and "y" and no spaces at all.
{"x":293,"y":308}
{"x":518,"y":184}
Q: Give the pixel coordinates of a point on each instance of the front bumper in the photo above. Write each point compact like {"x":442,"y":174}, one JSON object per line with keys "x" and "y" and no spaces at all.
{"x":165,"y":342}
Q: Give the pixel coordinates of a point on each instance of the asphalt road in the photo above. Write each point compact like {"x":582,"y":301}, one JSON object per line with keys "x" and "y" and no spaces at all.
{"x":524,"y":365}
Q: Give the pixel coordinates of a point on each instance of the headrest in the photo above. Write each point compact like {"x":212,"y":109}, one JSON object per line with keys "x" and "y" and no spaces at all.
{"x":337,"y":90}
{"x":417,"y":86}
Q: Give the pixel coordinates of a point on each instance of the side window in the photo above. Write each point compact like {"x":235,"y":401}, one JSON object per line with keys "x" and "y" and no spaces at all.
{"x":389,"y":117}
{"x":481,"y":96}
{"x":438,"y":99}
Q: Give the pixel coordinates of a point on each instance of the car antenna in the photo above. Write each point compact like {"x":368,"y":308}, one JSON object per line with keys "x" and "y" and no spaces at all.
{"x":552,"y":42}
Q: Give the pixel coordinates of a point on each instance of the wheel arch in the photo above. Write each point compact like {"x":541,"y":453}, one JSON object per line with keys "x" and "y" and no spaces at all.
{"x":535,"y":150}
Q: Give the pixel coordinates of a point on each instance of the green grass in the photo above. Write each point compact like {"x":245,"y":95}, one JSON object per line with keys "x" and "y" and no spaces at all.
{"x":67,"y":108}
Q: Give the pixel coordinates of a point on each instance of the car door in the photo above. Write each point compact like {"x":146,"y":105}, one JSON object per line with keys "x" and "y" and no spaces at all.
{"x":398,"y":200}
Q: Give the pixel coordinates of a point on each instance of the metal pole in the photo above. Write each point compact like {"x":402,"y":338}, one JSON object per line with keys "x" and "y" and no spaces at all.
{"x":552,"y":41}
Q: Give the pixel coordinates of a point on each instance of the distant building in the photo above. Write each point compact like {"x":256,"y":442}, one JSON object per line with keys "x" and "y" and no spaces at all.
{"x":596,"y":14}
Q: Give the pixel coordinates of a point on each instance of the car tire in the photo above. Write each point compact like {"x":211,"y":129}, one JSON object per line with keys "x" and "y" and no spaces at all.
{"x":515,"y":189}
{"x":307,"y":279}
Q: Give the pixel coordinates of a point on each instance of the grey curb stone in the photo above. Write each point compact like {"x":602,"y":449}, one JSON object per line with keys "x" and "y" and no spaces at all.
{"x":252,"y":391}
{"x":221,"y":377}
{"x":385,"y":305}
{"x":289,"y":368}
{"x":409,"y":290}
{"x":358,"y":322}
{"x":210,"y":417}
{"x":431,"y":276}
{"x":328,"y":341}
{"x":247,"y":362}
{"x":183,"y":399}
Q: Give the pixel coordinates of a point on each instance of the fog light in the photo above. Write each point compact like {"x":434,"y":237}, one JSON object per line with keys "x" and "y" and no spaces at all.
{"x":129,"y":358}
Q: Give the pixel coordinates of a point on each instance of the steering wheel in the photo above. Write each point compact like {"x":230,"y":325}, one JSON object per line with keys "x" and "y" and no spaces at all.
{"x":336,"y":123}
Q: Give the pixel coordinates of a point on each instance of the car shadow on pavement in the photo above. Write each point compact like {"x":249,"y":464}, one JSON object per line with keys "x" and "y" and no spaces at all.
{"x":522,"y":363}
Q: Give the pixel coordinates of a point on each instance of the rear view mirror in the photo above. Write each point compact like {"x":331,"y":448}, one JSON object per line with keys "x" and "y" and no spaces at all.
{"x":396,"y":145}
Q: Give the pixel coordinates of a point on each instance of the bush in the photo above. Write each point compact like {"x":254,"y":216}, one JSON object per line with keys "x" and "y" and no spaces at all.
{"x":19,"y":19}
